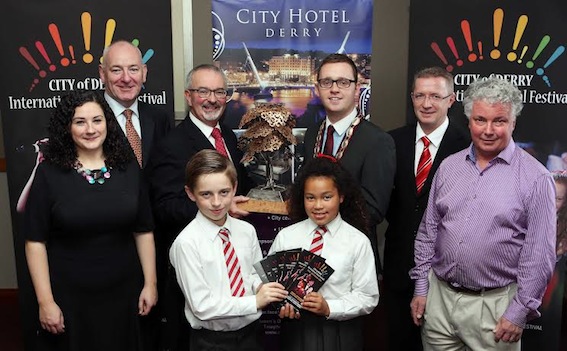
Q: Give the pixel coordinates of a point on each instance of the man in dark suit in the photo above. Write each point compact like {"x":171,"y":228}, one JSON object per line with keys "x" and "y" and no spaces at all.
{"x":364,"y":149}
{"x":432,"y":96}
{"x":206,"y":95}
{"x":123,"y":73}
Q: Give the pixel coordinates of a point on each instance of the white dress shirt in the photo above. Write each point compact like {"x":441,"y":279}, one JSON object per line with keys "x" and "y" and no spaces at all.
{"x":208,"y":131}
{"x":199,"y":262}
{"x":118,"y":111}
{"x":435,"y":138}
{"x":340,"y":129}
{"x":352,"y":290}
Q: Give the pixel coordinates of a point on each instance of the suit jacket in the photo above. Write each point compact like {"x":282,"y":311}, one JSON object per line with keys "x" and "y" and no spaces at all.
{"x":370,"y":158}
{"x":406,"y":206}
{"x":173,"y":210}
{"x":155,"y":123}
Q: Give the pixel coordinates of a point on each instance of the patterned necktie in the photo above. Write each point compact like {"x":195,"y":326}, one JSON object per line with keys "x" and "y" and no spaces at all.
{"x":329,"y":141}
{"x":133,"y":137}
{"x":317,"y":243}
{"x":219,"y":143}
{"x":424,"y":165}
{"x":232,"y":265}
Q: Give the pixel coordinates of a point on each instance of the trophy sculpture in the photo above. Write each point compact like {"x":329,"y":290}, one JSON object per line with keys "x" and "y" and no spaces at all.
{"x":269,"y":132}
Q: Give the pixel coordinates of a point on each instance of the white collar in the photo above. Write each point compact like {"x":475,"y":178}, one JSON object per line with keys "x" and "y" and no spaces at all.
{"x":117,"y":108}
{"x":435,"y":136}
{"x":342,"y":125}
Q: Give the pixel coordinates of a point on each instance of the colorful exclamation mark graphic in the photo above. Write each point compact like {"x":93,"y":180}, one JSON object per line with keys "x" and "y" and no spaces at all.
{"x":524,"y":50}
{"x":72,"y":52}
{"x":109,"y":33}
{"x":520,"y":27}
{"x":439,"y":53}
{"x":43,"y":52}
{"x":498,"y":19}
{"x":466,"y":29}
{"x":453,"y":48}
{"x":148,"y":55}
{"x":542,"y":44}
{"x":54,"y":31}
{"x":540,"y":71}
{"x":86,"y":22}
{"x":136,"y":42}
{"x":479,"y":44}
{"x":26,"y":54}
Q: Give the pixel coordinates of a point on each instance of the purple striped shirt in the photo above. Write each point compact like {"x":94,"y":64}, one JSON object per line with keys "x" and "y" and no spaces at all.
{"x":490,"y":228}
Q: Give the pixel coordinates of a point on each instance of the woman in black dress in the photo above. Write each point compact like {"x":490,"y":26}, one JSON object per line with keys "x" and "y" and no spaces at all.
{"x":89,"y":241}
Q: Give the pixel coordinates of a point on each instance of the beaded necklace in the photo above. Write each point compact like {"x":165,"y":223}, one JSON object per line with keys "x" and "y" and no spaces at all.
{"x":93,"y":176}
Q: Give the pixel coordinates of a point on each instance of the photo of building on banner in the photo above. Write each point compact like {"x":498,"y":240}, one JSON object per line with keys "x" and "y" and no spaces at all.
{"x":270,"y":52}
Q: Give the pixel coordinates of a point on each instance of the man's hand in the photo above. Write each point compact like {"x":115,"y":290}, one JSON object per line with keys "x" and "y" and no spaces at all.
{"x":236,"y":211}
{"x":507,"y":331}
{"x":417,"y":306}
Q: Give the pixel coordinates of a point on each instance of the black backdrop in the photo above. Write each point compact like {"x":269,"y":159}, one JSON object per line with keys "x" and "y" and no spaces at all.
{"x":43,"y":55}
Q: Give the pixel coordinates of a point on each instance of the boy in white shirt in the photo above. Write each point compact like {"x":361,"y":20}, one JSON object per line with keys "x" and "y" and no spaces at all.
{"x":213,"y":258}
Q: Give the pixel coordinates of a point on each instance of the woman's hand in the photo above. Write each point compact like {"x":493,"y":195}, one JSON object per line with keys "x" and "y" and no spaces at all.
{"x":148,"y":299}
{"x":51,"y":318}
{"x":314,"y":302}
{"x":288,"y":311}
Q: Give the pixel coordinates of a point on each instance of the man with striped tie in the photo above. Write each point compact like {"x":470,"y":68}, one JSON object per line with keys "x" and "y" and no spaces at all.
{"x":213,"y":258}
{"x":485,"y":249}
{"x":420,"y":148}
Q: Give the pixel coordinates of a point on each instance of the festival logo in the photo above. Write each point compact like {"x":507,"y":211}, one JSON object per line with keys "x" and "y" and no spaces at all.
{"x":537,"y":55}
{"x":45,"y":62}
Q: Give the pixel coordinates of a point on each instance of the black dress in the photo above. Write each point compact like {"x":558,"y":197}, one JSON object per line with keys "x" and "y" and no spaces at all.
{"x":95,"y":272}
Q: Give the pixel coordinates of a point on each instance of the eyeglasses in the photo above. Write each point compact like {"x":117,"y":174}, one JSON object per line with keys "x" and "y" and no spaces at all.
{"x":433,"y":98}
{"x":205,"y":93}
{"x":327,"y":83}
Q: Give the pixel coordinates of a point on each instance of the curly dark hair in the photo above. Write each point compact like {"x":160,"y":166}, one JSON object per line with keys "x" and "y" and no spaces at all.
{"x":353,"y":208}
{"x":61,"y":149}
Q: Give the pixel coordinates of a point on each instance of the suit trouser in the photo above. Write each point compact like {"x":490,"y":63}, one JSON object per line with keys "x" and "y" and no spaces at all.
{"x":455,"y":321}
{"x":403,"y":334}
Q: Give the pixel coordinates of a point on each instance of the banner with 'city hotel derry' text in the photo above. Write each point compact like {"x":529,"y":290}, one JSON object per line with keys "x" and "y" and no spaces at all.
{"x":50,"y":48}
{"x":270,"y":50}
{"x":523,"y":42}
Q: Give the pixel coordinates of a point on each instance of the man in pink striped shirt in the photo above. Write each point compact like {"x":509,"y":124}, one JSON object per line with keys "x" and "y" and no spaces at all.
{"x":485,"y":249}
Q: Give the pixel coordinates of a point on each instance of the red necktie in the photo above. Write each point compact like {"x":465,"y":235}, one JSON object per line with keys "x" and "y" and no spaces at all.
{"x":329,"y":141}
{"x":317,"y":243}
{"x":424,"y":165}
{"x":133,"y":137}
{"x":219,"y":143}
{"x":232,"y":265}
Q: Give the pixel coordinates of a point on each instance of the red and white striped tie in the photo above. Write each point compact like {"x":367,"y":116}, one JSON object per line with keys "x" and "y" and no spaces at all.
{"x":232,"y":265}
{"x":423,"y":166}
{"x":317,"y":243}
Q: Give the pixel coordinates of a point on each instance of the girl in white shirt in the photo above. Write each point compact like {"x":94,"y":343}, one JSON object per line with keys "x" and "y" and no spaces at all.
{"x":326,"y":198}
